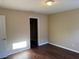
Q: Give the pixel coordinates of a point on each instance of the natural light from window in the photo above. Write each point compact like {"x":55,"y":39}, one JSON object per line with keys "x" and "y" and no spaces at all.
{"x":19,"y":45}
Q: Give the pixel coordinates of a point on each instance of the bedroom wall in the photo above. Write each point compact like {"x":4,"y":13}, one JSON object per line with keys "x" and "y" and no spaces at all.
{"x":64,"y":30}
{"x":18,"y":28}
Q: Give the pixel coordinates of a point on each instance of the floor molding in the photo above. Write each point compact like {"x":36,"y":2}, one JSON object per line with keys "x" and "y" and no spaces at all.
{"x":43,"y":43}
{"x":64,"y":48}
{"x":14,"y":52}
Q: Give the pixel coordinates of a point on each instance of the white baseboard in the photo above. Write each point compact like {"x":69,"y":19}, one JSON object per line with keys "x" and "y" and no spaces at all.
{"x":65,"y":48}
{"x":43,"y":43}
{"x":14,"y":52}
{"x":17,"y":51}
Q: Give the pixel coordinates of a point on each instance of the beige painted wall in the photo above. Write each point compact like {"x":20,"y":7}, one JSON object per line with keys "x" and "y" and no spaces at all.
{"x":18,"y":27}
{"x":64,"y":29}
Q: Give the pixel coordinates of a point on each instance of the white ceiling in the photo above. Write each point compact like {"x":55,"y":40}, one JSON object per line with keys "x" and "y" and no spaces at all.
{"x":39,"y":5}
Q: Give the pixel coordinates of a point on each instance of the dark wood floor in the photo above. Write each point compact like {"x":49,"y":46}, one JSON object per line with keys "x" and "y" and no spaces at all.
{"x":45,"y":52}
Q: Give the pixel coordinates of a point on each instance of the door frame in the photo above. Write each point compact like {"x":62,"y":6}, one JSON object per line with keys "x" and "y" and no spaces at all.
{"x":5,"y":37}
{"x":38,"y":28}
